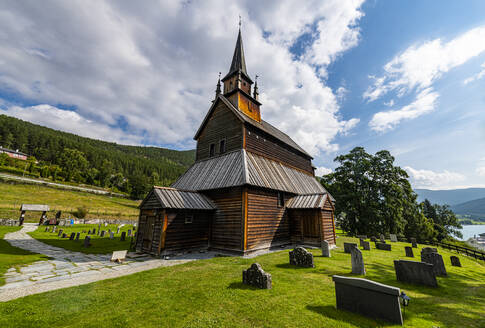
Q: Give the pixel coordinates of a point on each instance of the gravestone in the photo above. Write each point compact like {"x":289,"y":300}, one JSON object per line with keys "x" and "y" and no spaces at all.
{"x":89,"y":231}
{"x":361,"y":241}
{"x":301,"y":257}
{"x":255,"y":276}
{"x":437,"y":261}
{"x":73,"y":234}
{"x":87,"y":241}
{"x":369,"y":298}
{"x":118,"y":230}
{"x":409,"y":251}
{"x":109,"y":231}
{"x":383,"y":239}
{"x":129,"y":233}
{"x":102,"y":233}
{"x":94,"y":231}
{"x":455,"y":261}
{"x":362,"y":236}
{"x":84,"y":231}
{"x":357,"y":261}
{"x":123,"y":236}
{"x":414,"y":243}
{"x":64,"y":235}
{"x":349,"y":246}
{"x":366,"y":246}
{"x":118,"y":256}
{"x":373,"y":239}
{"x":393,"y":238}
{"x":77,"y":236}
{"x":111,"y":235}
{"x":325,"y":249}
{"x":106,"y":224}
{"x":46,"y":229}
{"x":415,"y":273}
{"x":429,"y":250}
{"x":54,"y":229}
{"x":383,"y":246}
{"x":60,"y":233}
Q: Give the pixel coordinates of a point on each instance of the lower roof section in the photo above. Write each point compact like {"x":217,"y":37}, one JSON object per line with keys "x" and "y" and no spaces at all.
{"x":171,"y":198}
{"x":307,"y":201}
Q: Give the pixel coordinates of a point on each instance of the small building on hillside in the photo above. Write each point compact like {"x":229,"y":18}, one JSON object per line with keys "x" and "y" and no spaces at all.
{"x":14,"y":153}
{"x":251,"y":186}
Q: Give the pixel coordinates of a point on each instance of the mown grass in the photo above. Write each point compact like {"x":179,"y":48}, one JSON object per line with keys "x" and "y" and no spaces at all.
{"x":99,"y":245}
{"x":12,"y":256}
{"x":209,"y":293}
{"x":67,"y":201}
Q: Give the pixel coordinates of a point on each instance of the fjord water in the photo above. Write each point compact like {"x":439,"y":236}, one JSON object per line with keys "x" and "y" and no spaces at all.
{"x":469,"y":231}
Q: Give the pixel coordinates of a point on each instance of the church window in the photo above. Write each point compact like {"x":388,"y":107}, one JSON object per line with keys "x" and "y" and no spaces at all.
{"x":222,"y":146}
{"x":212,"y":150}
{"x":189,"y":218}
{"x":281,"y":199}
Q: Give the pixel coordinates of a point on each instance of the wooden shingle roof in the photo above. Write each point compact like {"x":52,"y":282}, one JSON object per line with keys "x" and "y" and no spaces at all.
{"x":180,"y":199}
{"x":307,"y":201}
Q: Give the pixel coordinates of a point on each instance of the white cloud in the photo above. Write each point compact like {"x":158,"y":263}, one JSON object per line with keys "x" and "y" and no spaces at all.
{"x":425,"y":102}
{"x":321,"y":171}
{"x":481,"y":171}
{"x":431,"y":179}
{"x":477,"y":76}
{"x":154,"y":66}
{"x":420,"y":65}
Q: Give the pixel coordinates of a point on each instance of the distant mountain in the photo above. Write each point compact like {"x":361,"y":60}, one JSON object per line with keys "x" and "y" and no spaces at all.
{"x":474,"y":209}
{"x":450,"y":197}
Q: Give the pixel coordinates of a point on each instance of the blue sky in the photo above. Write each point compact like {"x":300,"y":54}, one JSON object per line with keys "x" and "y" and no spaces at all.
{"x":406,"y":76}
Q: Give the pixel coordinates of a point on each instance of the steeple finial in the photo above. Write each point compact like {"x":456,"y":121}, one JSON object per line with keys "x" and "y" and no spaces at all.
{"x":239,"y":21}
{"x":255,"y":92}
{"x":218,"y":89}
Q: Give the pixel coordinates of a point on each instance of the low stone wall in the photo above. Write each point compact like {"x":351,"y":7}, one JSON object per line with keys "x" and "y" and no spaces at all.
{"x":9,"y":222}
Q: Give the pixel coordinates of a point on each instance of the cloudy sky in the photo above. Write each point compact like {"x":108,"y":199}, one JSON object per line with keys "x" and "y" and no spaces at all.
{"x":407,"y":76}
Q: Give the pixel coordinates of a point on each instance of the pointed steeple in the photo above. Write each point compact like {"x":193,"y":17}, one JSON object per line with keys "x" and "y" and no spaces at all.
{"x":218,"y":89}
{"x":238,"y":64}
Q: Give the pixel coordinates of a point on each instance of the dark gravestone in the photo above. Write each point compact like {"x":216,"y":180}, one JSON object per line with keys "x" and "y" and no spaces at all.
{"x":111,"y":235}
{"x":73,"y":234}
{"x":94,"y":231}
{"x":455,"y":261}
{"x":437,"y":261}
{"x":383,"y":239}
{"x":301,"y":257}
{"x":373,"y":239}
{"x":64,"y":235}
{"x":87,"y":241}
{"x":429,"y":250}
{"x":129,"y":233}
{"x":415,"y":273}
{"x":409,"y":251}
{"x":325,"y":249}
{"x":118,"y":230}
{"x":349,"y":246}
{"x":366,"y":246}
{"x":357,"y":261}
{"x":60,"y":233}
{"x":414,"y":243}
{"x":361,"y":241}
{"x":123,"y":236}
{"x":383,"y":246}
{"x":89,"y":231}
{"x":369,"y":298}
{"x":102,"y":233}
{"x":255,"y":276}
{"x":77,"y":236}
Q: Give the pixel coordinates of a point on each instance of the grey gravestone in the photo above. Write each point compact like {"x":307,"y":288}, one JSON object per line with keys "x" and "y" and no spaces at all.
{"x":409,"y":251}
{"x":118,"y":230}
{"x":429,"y":250}
{"x":123,"y":236}
{"x":73,"y":234}
{"x":349,"y":246}
{"x":393,"y":238}
{"x":94,"y":231}
{"x":437,"y":261}
{"x":373,"y":239}
{"x":54,"y":229}
{"x":99,"y":229}
{"x":129,"y":233}
{"x":415,"y":273}
{"x":413,"y":243}
{"x":361,"y":242}
{"x":46,"y":229}
{"x":366,"y":246}
{"x":64,"y":235}
{"x":111,"y":235}
{"x":102,"y":233}
{"x":369,"y":298}
{"x":89,"y":231}
{"x":357,"y":261}
{"x":255,"y":276}
{"x":77,"y":236}
{"x":87,"y":241}
{"x":301,"y":257}
{"x":383,"y":246}
{"x":325,"y":249}
{"x":383,"y":239}
{"x":60,"y":233}
{"x":455,"y":261}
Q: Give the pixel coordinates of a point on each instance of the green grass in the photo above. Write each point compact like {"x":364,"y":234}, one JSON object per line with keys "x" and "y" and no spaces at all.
{"x":98,"y":245}
{"x":12,"y":256}
{"x":209,"y":293}
{"x":99,"y":206}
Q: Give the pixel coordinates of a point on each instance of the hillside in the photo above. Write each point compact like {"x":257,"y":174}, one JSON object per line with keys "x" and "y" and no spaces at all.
{"x":474,"y":209}
{"x":450,"y":197}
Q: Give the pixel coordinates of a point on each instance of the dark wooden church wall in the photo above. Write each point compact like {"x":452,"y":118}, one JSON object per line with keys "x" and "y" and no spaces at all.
{"x":328,"y":224}
{"x":261,"y":144}
{"x":181,"y":235}
{"x":227,"y":222}
{"x":222,"y":124}
{"x":267,"y":223}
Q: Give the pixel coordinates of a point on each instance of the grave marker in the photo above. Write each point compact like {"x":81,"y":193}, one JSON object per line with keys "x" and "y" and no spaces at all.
{"x":455,"y":261}
{"x":255,"y":276}
{"x":348,"y":246}
{"x":357,"y":261}
{"x":366,"y":246}
{"x":64,"y":235}
{"x":409,"y":251}
{"x":118,"y":256}
{"x":123,"y":236}
{"x":373,"y":239}
{"x":87,"y":241}
{"x":118,"y":230}
{"x":415,"y":273}
{"x":437,"y":261}
{"x":111,"y":235}
{"x":383,"y":246}
{"x":325,"y":249}
{"x":73,"y":234}
{"x":60,"y":233}
{"x":129,"y":233}
{"x":301,"y":257}
{"x":102,"y":233}
{"x":413,"y":243}
{"x":383,"y":239}
{"x":77,"y":236}
{"x":393,"y":238}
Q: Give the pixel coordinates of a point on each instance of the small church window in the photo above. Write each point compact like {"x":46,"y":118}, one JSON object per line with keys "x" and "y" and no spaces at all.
{"x":281,"y":199}
{"x":212,"y":150}
{"x":222,"y":146}
{"x":189,"y":218}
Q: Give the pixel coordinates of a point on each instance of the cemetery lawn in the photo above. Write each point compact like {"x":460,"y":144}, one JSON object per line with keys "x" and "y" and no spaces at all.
{"x":12,"y":256}
{"x":99,"y":245}
{"x":209,"y":293}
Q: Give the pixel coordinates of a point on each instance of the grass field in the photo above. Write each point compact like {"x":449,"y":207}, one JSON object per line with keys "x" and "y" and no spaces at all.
{"x":209,"y":293}
{"x":13,"y":256}
{"x":98,"y":245}
{"x":99,"y":206}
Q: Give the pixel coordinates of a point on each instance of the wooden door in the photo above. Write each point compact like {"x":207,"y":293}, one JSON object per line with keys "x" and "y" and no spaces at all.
{"x":148,"y":233}
{"x":310,"y":227}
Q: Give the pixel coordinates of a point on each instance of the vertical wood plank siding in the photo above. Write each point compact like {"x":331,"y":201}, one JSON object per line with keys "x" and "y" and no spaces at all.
{"x":227,"y":220}
{"x":268,"y":224}
{"x":181,"y":235}
{"x":221,"y":124}
{"x":265,"y":145}
{"x":328,"y":224}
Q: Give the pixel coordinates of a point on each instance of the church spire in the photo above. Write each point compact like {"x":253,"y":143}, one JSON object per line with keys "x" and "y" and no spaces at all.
{"x":218,"y":89}
{"x":238,"y":64}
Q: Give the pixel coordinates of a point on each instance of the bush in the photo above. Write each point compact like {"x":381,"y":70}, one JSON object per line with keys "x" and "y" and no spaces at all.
{"x":81,"y":212}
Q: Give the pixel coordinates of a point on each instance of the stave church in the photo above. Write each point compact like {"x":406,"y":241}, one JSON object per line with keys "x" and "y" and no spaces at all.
{"x":251,"y":187}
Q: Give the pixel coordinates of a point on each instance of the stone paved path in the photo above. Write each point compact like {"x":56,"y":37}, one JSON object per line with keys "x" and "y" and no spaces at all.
{"x":67,"y":268}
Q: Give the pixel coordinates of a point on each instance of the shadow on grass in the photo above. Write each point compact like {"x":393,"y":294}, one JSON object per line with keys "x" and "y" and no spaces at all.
{"x":351,"y":318}
{"x":241,"y":286}
{"x":290,"y":266}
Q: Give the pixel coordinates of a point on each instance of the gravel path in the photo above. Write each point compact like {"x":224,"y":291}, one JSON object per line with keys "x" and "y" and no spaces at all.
{"x":68,"y":269}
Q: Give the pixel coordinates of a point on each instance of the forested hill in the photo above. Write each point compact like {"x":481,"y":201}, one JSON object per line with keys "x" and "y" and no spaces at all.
{"x":94,"y":161}
{"x":450,"y":197}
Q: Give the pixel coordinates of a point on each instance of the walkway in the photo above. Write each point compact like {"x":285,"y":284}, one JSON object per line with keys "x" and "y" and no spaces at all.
{"x":68,"y":269}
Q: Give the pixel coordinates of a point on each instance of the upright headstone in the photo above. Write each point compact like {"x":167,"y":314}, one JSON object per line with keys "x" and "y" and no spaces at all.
{"x":106,"y":224}
{"x":429,"y":250}
{"x":64,"y":235}
{"x":46,"y":229}
{"x":102,"y":233}
{"x":255,"y":276}
{"x":383,"y":246}
{"x":87,"y":241}
{"x":349,"y":246}
{"x":437,"y":261}
{"x":94,"y":231}
{"x":123,"y":236}
{"x":373,"y":239}
{"x":118,"y":230}
{"x":393,"y":238}
{"x":361,"y":242}
{"x":383,"y":239}
{"x":357,"y":261}
{"x":73,"y":234}
{"x":325,"y":249}
{"x":409,"y":251}
{"x":129,"y":233}
{"x":455,"y":261}
{"x":60,"y":233}
{"x":54,"y":229}
{"x":301,"y":257}
{"x":89,"y":231}
{"x":111,"y":235}
{"x":77,"y":236}
{"x":415,"y":272}
{"x":109,"y":231}
{"x":366,"y":246}
{"x":414,"y":243}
